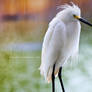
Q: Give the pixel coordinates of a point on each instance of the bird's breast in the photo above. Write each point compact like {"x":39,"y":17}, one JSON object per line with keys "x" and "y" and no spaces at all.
{"x":72,"y":37}
{"x":72,"y":33}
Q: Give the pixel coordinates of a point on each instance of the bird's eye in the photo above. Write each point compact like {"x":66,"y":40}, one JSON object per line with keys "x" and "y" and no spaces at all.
{"x":74,"y":15}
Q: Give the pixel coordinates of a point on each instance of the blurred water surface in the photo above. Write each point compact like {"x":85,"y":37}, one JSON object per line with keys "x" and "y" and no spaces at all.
{"x":19,"y":68}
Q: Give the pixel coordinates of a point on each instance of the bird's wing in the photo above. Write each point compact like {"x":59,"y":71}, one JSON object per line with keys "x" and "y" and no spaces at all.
{"x":53,"y":40}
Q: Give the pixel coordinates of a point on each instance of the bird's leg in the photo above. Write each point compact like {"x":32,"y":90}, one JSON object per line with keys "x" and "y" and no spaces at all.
{"x":53,"y":79}
{"x":60,"y":79}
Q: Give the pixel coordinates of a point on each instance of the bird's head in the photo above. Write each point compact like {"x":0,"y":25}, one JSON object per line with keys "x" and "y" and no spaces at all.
{"x":71,"y":13}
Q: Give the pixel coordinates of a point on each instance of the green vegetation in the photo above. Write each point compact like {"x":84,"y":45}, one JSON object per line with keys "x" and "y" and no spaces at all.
{"x":19,"y":69}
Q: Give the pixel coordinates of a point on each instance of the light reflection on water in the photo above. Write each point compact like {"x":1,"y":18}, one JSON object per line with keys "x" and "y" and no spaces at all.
{"x":32,"y":46}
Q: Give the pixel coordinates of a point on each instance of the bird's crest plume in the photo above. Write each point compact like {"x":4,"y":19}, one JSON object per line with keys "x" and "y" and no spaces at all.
{"x":67,"y":6}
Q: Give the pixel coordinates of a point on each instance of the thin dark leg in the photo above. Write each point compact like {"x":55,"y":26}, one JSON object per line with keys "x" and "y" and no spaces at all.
{"x":53,"y":79}
{"x":61,"y":82}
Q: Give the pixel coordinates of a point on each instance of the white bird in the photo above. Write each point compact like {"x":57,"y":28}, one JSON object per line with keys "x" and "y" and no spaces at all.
{"x":61,"y":42}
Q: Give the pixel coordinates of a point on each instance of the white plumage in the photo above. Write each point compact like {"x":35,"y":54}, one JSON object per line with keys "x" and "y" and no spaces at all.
{"x":61,"y":40}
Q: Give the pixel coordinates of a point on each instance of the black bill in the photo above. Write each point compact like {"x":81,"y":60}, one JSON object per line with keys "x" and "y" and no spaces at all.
{"x":82,"y":20}
{"x":85,"y":21}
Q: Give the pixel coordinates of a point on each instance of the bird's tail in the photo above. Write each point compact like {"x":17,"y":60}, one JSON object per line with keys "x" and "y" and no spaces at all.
{"x":47,"y":72}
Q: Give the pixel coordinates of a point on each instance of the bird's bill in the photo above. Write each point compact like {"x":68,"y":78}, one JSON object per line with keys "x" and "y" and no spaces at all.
{"x":82,"y":20}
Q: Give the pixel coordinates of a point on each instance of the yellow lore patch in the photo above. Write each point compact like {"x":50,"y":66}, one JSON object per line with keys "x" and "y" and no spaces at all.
{"x":77,"y":17}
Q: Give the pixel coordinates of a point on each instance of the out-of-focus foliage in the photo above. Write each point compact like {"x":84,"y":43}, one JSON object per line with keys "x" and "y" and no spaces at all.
{"x":19,"y":70}
{"x":22,"y":31}
{"x":40,"y":7}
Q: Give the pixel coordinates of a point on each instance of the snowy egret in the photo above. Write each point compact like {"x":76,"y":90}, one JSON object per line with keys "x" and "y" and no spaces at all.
{"x":61,"y":42}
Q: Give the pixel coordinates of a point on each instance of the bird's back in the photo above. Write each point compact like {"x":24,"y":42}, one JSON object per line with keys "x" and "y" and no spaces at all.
{"x":53,"y":42}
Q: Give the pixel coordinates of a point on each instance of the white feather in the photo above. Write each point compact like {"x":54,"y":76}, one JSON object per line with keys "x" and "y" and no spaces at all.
{"x":61,"y":41}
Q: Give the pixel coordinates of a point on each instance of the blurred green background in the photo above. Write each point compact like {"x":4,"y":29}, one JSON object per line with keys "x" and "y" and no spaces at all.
{"x":23,"y":24}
